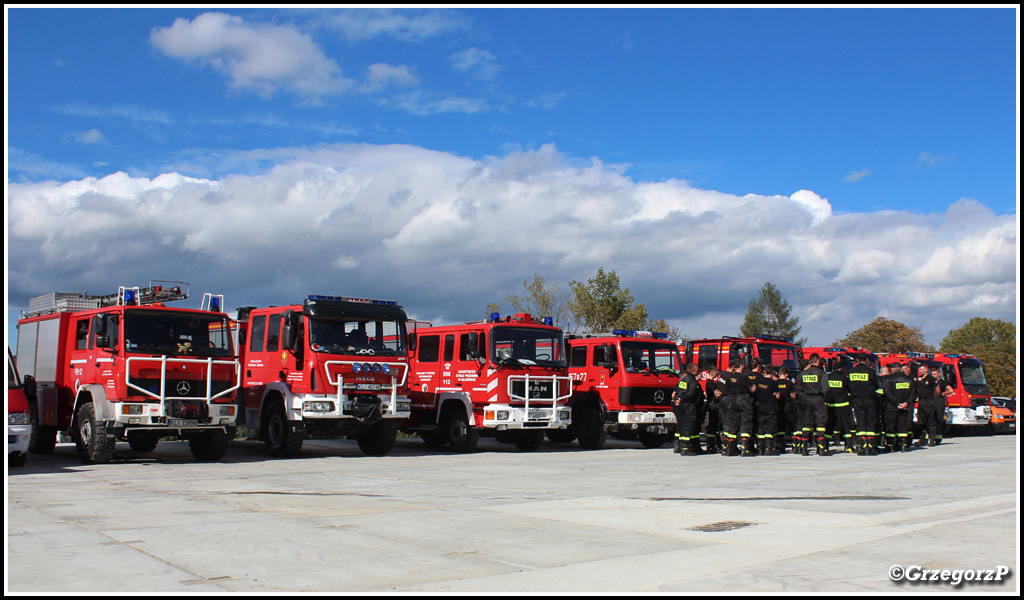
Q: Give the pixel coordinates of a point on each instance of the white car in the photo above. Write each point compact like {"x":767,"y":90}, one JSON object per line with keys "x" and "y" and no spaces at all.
{"x":19,"y":425}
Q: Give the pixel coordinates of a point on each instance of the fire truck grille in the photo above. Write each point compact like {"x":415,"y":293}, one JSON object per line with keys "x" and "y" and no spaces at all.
{"x":539,"y":390}
{"x":183,"y":388}
{"x":644,"y":396}
{"x":187,"y":409}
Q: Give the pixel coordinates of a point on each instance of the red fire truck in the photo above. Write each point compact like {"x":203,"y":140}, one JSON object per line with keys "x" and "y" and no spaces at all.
{"x":623,"y":383}
{"x":127,"y":367}
{"x":841,"y":358}
{"x":332,"y":366}
{"x":504,"y":378}
{"x":774,"y":351}
{"x":970,"y":402}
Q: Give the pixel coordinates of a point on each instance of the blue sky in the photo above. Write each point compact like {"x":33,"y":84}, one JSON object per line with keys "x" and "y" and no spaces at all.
{"x":811,"y":148}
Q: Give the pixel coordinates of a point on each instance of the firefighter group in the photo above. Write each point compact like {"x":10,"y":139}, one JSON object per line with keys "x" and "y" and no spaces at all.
{"x":762,"y":411}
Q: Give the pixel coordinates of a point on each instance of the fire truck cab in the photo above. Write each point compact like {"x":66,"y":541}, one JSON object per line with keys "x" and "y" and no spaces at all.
{"x":841,"y":359}
{"x":970,"y":403}
{"x":127,"y":367}
{"x":503,"y":378}
{"x":623,"y":383}
{"x":332,"y":366}
{"x":774,"y":351}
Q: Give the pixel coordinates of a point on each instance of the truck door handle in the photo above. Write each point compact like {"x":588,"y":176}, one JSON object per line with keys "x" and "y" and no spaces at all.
{"x":248,"y":373}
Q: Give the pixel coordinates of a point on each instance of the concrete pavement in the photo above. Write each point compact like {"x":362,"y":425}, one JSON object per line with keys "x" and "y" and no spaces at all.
{"x":618,"y":520}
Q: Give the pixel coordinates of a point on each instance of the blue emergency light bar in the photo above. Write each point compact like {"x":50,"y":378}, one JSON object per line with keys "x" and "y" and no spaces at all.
{"x":774,"y":338}
{"x":214,"y":304}
{"x":495,"y":317}
{"x":129,"y":298}
{"x":640,"y":334}
{"x":347,"y":299}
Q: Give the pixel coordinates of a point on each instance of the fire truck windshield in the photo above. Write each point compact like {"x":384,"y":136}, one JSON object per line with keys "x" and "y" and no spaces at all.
{"x":650,"y":356}
{"x":774,"y":355}
{"x":176,"y":333}
{"x":972,"y":374}
{"x":527,"y":346}
{"x":357,"y":336}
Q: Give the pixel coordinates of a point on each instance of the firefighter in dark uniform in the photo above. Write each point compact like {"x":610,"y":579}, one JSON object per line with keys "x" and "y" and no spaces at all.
{"x":713,"y":395}
{"x":766,"y":408}
{"x":907,"y":370}
{"x":748,"y":408}
{"x":686,"y":404}
{"x":898,"y":408}
{"x":945,"y":390}
{"x":789,"y":420}
{"x":736,"y":394}
{"x":926,"y":388}
{"x":865,"y":394}
{"x":812,"y":387}
{"x":840,"y":416}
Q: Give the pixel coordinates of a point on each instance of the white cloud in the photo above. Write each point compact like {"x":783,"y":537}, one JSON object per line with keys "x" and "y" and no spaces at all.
{"x":262,"y":58}
{"x":855,"y":176}
{"x":421,"y":102}
{"x":480,"y":63}
{"x":381,"y":76}
{"x":445,"y":235}
{"x":412,"y":26}
{"x":93,"y":136}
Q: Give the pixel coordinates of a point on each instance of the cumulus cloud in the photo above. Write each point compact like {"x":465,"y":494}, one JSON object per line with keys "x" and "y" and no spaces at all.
{"x":382,"y":76}
{"x":445,"y":235}
{"x":263,"y":58}
{"x":93,"y":136}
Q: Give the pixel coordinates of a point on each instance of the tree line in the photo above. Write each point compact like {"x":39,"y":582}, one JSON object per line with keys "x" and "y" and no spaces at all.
{"x":600,"y":304}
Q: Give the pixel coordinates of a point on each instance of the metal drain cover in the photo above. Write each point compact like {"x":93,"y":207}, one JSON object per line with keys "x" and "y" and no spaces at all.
{"x":721,"y":526}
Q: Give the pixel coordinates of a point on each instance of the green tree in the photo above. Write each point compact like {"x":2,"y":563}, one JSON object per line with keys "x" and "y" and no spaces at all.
{"x":994,"y":342}
{"x":886,"y":335}
{"x":601,"y":304}
{"x":542,"y":300}
{"x":769,"y":314}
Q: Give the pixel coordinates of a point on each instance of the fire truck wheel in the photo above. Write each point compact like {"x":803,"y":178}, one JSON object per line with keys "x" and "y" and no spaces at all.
{"x":17,"y":460}
{"x":283,"y":438}
{"x":379,"y":440}
{"x":529,"y":441}
{"x":142,"y":443}
{"x":561,"y":436}
{"x":92,"y":443}
{"x":462,"y":437}
{"x":41,"y":439}
{"x":590,"y":428}
{"x":652,"y":440}
{"x":209,"y":446}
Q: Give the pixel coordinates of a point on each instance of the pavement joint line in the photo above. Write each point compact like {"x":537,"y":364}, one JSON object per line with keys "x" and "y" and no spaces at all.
{"x":131,"y":544}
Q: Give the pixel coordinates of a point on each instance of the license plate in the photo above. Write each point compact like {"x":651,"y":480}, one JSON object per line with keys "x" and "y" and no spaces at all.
{"x":182,"y":423}
{"x":538,"y":415}
{"x":368,"y":386}
{"x":659,"y":419}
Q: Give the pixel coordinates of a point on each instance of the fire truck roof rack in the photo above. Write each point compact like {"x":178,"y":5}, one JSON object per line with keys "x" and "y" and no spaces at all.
{"x":125,"y":296}
{"x":350,"y":299}
{"x":621,"y":333}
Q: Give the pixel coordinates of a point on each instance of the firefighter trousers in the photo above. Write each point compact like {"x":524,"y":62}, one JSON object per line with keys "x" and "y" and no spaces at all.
{"x":741,"y":419}
{"x":840,"y":422}
{"x":815,"y":417}
{"x":931,"y":414}
{"x":865,"y":413}
{"x":687,"y":421}
{"x":896,"y":422}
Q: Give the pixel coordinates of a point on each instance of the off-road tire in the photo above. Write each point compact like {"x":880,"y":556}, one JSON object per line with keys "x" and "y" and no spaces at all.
{"x":379,"y":440}
{"x":93,"y":444}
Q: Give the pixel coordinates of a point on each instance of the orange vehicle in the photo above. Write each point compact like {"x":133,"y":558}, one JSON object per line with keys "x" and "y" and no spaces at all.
{"x":1004,"y":415}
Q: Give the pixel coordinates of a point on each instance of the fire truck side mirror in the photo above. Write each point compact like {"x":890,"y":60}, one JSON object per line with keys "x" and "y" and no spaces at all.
{"x":290,"y":323}
{"x":610,"y":362}
{"x":99,"y":325}
{"x":412,"y":342}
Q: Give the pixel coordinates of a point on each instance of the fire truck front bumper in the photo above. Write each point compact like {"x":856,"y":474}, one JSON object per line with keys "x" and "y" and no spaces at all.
{"x":136,"y":415}
{"x":646,"y":418}
{"x":503,"y":417}
{"x":328,"y":407}
{"x":963,"y":415}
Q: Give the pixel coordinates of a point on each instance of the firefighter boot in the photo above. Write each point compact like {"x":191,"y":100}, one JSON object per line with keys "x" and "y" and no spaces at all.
{"x":676,"y":449}
{"x":748,"y":447}
{"x":686,"y":448}
{"x":862,"y":446}
{"x":730,"y":448}
{"x":773,"y":446}
{"x":804,"y":449}
{"x":823,"y":446}
{"x":849,"y":446}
